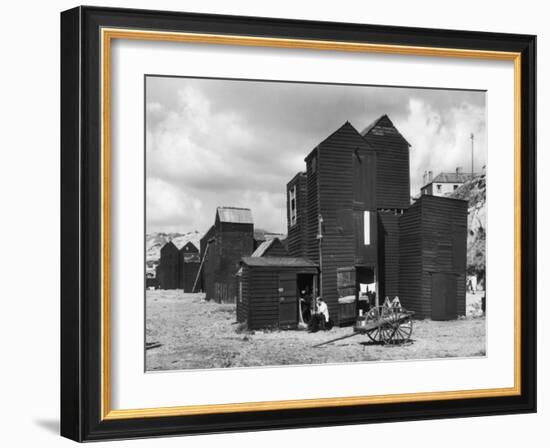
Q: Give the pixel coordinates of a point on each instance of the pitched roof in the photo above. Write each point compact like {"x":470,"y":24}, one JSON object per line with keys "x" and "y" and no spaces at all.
{"x":451,"y":177}
{"x":382,"y":126}
{"x":188,"y":247}
{"x":279,"y":262}
{"x":235,"y":215}
{"x":263,"y":248}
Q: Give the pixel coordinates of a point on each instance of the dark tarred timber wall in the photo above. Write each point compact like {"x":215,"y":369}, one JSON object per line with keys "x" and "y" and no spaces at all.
{"x":433,"y":257}
{"x":276,"y":249}
{"x":410,"y":262}
{"x":243,"y":294}
{"x":388,"y":241}
{"x":392,"y":164}
{"x":342,"y":222}
{"x":259,"y":303}
{"x":232,"y":242}
{"x":190,"y":270}
{"x":296,"y":239}
{"x":169,"y":267}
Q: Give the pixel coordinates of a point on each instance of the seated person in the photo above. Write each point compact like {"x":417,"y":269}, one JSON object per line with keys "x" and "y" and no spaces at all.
{"x":320,"y":319}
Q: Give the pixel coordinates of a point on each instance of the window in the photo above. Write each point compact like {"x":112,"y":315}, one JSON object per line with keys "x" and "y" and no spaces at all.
{"x":313,"y":164}
{"x":455,"y":187}
{"x":366,"y":228}
{"x":292,"y":205}
{"x":438,"y":188}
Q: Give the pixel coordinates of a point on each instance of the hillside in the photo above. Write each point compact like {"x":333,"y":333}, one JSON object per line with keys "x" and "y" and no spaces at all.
{"x":154,"y":242}
{"x":474,"y":191}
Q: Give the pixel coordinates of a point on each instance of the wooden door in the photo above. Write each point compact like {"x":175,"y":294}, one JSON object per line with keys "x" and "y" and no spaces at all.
{"x":288,"y":300}
{"x":443,"y":296}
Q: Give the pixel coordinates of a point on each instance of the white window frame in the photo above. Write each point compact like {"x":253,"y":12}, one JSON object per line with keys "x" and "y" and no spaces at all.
{"x":293,"y":212}
{"x":366,"y":228}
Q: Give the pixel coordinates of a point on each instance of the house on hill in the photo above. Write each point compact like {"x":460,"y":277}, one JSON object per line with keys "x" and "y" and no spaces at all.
{"x":444,"y":183}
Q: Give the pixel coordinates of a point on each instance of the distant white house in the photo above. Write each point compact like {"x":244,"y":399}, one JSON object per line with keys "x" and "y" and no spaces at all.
{"x":444,"y":183}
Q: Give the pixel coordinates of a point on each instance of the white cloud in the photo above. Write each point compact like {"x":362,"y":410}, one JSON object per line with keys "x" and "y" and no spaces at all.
{"x":233,"y":143}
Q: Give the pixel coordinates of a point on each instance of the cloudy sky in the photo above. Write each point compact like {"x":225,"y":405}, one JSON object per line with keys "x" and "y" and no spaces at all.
{"x":237,"y":143}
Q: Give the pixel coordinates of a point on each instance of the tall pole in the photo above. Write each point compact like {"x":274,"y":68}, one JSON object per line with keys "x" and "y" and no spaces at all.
{"x":320,"y":239}
{"x":472,"y":138}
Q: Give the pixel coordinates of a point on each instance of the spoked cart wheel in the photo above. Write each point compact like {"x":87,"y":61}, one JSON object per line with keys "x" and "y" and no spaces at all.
{"x":377,"y":331}
{"x":398,"y":329}
{"x":387,"y":325}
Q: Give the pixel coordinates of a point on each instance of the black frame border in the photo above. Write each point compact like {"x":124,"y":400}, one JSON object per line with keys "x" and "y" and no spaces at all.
{"x":81,"y":223}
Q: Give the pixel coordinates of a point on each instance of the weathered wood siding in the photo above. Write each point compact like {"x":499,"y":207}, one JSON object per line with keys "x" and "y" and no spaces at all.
{"x":410,"y":261}
{"x":232,"y":242}
{"x":190,"y":270}
{"x":243,"y":296}
{"x":276,"y":250}
{"x":260,"y":304}
{"x":392,"y":165}
{"x":297,"y":233}
{"x":388,"y":241}
{"x":433,"y":240}
{"x":341,"y":221}
{"x":169,"y":267}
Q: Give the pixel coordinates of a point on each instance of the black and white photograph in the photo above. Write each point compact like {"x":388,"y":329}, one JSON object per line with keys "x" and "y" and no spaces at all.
{"x":293,"y":223}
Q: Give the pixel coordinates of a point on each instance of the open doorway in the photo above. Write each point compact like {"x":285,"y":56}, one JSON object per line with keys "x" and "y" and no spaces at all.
{"x":307,"y":292}
{"x":366,"y":287}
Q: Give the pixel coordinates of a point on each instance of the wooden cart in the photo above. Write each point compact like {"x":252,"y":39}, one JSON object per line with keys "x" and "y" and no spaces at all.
{"x":388,"y":325}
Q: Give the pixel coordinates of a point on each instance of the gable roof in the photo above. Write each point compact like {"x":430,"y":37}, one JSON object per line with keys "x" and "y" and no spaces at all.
{"x":189,"y":247}
{"x":169,"y":246}
{"x":347,"y":126}
{"x":263,"y":248}
{"x":235,"y":215}
{"x":450,"y":178}
{"x":380,"y":127}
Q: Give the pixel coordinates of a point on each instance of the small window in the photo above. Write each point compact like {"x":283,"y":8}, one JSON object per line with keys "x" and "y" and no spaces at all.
{"x":293,"y":213}
{"x":455,"y":187}
{"x":366,"y":228}
{"x":438,"y":188}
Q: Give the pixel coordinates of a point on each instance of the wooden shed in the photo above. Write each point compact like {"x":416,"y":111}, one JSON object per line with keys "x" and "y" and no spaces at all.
{"x":169,"y":267}
{"x":222,"y":247}
{"x":268,"y":290}
{"x":432,"y":265}
{"x":189,"y":260}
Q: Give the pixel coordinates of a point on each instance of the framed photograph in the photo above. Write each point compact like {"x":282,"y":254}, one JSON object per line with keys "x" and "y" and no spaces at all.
{"x":272,"y":223}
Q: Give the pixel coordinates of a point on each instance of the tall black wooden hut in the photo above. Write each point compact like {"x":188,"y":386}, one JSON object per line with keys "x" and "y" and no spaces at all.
{"x":169,"y":267}
{"x":432,"y":265}
{"x":222,"y":247}
{"x":189,"y":260}
{"x":268,"y":288}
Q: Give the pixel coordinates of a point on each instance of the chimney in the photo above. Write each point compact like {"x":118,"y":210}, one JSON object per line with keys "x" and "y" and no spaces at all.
{"x":458,"y":170}
{"x":424,"y":176}
{"x":430,"y":176}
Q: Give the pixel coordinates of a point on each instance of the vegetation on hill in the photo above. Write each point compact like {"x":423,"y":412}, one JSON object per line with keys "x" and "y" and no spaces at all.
{"x":474,"y":191}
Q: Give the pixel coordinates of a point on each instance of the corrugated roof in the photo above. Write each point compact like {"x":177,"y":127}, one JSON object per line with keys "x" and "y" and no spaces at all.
{"x":235,"y":215}
{"x":279,"y":261}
